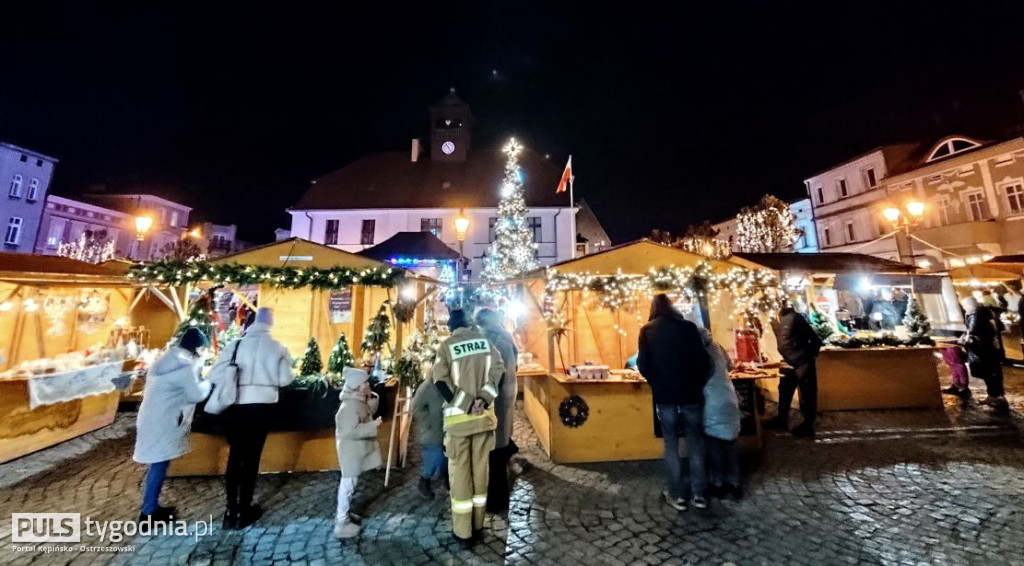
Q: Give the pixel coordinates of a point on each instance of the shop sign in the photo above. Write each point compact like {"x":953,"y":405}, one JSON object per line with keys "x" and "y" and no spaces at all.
{"x":341,"y":306}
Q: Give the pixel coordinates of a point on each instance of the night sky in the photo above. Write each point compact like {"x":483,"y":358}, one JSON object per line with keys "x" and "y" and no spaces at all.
{"x":673,"y":114}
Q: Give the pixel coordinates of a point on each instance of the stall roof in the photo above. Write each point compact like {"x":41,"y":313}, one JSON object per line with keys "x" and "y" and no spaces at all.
{"x":411,"y":245}
{"x":984,"y":272}
{"x":639,"y":256}
{"x":32,"y":269}
{"x":826,"y":262}
{"x":296,"y":252}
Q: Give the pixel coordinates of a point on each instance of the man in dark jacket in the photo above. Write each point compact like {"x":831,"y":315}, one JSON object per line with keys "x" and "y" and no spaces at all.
{"x":674,"y":362}
{"x":985,"y":350}
{"x":799,"y":346}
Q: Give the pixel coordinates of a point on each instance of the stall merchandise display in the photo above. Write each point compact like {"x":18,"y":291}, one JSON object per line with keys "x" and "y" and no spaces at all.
{"x":917,"y":323}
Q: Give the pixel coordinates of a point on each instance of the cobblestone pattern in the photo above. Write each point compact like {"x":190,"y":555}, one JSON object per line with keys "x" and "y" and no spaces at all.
{"x":888,"y":487}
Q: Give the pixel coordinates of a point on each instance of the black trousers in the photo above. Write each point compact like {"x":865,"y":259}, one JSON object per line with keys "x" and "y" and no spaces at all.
{"x":247,"y":427}
{"x":498,"y":488}
{"x":804,"y":377}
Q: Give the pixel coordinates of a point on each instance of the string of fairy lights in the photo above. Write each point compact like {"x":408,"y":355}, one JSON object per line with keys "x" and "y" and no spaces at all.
{"x":753,"y":291}
{"x":172,"y":272}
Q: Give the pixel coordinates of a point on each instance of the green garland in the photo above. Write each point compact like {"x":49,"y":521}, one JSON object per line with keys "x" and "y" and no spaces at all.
{"x":174,"y":272}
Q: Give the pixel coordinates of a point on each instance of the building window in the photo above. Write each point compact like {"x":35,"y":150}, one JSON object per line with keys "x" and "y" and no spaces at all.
{"x":331,"y":233}
{"x":843,"y":190}
{"x":432,"y":225}
{"x":366,"y":238}
{"x":15,"y":191}
{"x":24,"y":158}
{"x":976,"y":205}
{"x":827,"y":236}
{"x":56,"y":232}
{"x":33,"y":190}
{"x":850,"y":235}
{"x":174,"y":218}
{"x":942,"y":209}
{"x":13,"y":236}
{"x":869,"y":175}
{"x":534,"y":223}
{"x":821,"y":196}
{"x":1014,"y":196}
{"x":491,"y":223}
{"x":39,"y":162}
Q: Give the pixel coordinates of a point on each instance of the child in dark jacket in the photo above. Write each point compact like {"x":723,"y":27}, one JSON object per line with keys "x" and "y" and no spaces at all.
{"x":429,"y":419}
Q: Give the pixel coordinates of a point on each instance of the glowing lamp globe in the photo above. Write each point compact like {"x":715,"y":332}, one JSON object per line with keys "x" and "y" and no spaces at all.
{"x":915,"y":208}
{"x":892,"y":214}
{"x":461,"y":226}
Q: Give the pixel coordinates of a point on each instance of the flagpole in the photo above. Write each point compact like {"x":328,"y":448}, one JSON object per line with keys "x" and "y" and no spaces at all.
{"x":572,"y":212}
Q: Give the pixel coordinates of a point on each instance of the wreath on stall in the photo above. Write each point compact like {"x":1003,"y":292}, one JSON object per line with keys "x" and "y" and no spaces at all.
{"x":573,"y":411}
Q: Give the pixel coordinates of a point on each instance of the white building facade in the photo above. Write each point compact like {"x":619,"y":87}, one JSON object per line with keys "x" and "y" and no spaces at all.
{"x":25,"y":176}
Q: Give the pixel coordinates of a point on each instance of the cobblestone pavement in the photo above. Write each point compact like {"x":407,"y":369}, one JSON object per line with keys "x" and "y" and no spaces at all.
{"x":884,"y":487}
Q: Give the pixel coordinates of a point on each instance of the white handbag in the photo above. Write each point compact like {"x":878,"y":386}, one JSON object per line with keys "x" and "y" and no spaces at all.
{"x":224,"y":378}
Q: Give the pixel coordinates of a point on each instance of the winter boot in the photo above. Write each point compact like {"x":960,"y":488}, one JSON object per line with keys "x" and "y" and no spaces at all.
{"x":424,"y":487}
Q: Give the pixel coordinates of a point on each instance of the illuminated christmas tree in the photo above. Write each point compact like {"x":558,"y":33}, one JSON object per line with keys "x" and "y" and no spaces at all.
{"x":513,"y":251}
{"x":341,"y":356}
{"x":91,"y":246}
{"x":767,"y":227}
{"x":312,"y":364}
{"x":917,"y":323}
{"x":378,"y":333}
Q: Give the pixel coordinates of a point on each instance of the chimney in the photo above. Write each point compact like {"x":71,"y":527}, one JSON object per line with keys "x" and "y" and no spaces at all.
{"x":415,"y":150}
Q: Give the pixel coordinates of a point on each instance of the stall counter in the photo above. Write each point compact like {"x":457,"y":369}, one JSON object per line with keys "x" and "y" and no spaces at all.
{"x":620,"y":420}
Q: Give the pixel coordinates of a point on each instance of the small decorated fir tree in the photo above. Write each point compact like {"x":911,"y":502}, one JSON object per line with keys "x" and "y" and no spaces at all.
{"x":311,"y":361}
{"x":378,"y":333}
{"x":202,"y":316}
{"x":341,"y":356}
{"x":917,"y":323}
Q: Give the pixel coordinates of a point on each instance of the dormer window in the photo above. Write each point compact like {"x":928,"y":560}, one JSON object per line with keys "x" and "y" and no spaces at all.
{"x":951,"y":146}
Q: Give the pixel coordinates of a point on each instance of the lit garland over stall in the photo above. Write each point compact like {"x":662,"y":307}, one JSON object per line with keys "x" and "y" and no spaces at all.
{"x":170,"y":272}
{"x":754,"y":291}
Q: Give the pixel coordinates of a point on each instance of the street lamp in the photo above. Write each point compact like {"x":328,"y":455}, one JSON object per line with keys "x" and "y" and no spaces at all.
{"x":142,"y":225}
{"x":904,"y":222}
{"x":461,"y":229}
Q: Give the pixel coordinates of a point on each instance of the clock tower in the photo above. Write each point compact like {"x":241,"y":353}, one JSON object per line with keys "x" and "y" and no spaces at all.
{"x":450,"y":121}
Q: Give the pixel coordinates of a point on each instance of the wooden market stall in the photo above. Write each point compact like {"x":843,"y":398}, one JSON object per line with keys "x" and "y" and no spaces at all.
{"x":592,"y":312}
{"x":57,"y":316}
{"x":872,"y":377}
{"x":316,"y":291}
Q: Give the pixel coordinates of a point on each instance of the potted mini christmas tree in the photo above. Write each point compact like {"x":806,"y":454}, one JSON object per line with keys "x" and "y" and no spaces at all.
{"x":311,"y":364}
{"x":341,"y":356}
{"x":917,"y":324}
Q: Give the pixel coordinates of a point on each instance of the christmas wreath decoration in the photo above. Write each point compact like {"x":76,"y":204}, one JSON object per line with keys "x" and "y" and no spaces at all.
{"x":573,"y":411}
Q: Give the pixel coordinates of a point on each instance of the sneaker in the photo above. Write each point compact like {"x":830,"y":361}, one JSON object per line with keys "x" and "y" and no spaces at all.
{"x":700,"y":502}
{"x":952,"y":390}
{"x":424,"y":488}
{"x":346,"y":530}
{"x":802,"y":431}
{"x":778,"y":423}
{"x":677,"y":503}
{"x":249,"y":516}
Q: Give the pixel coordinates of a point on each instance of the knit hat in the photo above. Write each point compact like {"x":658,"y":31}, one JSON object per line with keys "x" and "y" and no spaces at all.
{"x":192,"y":340}
{"x":265,"y":315}
{"x":457,"y":319}
{"x":354,"y":377}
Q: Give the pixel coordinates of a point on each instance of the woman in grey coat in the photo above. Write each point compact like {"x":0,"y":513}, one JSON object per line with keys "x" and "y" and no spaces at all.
{"x":504,"y":408}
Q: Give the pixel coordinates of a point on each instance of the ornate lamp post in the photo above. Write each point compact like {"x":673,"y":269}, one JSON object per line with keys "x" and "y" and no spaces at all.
{"x":905,"y":222}
{"x":142,"y":225}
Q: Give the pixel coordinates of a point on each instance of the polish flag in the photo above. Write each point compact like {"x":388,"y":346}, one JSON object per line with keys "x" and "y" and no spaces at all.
{"x":563,"y":184}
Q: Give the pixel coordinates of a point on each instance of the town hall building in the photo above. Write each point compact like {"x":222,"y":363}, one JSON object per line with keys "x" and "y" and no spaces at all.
{"x":424,"y":190}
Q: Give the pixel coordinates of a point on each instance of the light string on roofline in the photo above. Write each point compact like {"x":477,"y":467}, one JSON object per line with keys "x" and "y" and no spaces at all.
{"x":753,"y":291}
{"x":172,"y":272}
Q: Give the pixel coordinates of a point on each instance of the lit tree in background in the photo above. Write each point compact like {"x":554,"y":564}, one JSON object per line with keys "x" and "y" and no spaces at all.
{"x":700,"y":239}
{"x":917,"y":323}
{"x":182,"y":249}
{"x":766,"y":227}
{"x":91,"y":246}
{"x":513,"y":251}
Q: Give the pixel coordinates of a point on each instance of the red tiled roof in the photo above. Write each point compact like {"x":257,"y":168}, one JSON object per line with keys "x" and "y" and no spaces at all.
{"x":393,"y":180}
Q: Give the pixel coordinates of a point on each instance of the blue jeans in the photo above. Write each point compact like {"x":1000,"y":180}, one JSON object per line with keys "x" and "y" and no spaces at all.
{"x":434,"y":461}
{"x":691,"y":417}
{"x":154,"y":483}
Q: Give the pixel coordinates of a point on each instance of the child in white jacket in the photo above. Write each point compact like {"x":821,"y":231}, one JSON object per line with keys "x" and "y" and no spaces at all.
{"x":355,"y":436}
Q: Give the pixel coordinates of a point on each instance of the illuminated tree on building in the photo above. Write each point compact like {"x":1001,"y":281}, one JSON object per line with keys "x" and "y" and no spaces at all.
{"x":513,"y":251}
{"x":767,"y":227}
{"x":92,"y":246}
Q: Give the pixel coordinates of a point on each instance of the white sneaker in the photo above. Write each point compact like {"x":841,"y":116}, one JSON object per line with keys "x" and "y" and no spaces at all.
{"x":677,"y":503}
{"x":346,"y":530}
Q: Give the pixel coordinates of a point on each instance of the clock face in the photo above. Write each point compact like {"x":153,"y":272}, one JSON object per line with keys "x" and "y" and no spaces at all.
{"x":448,"y":148}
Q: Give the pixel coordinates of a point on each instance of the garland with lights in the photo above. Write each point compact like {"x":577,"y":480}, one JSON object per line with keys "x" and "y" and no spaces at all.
{"x":754,"y":291}
{"x":174,"y":272}
{"x":513,"y":251}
